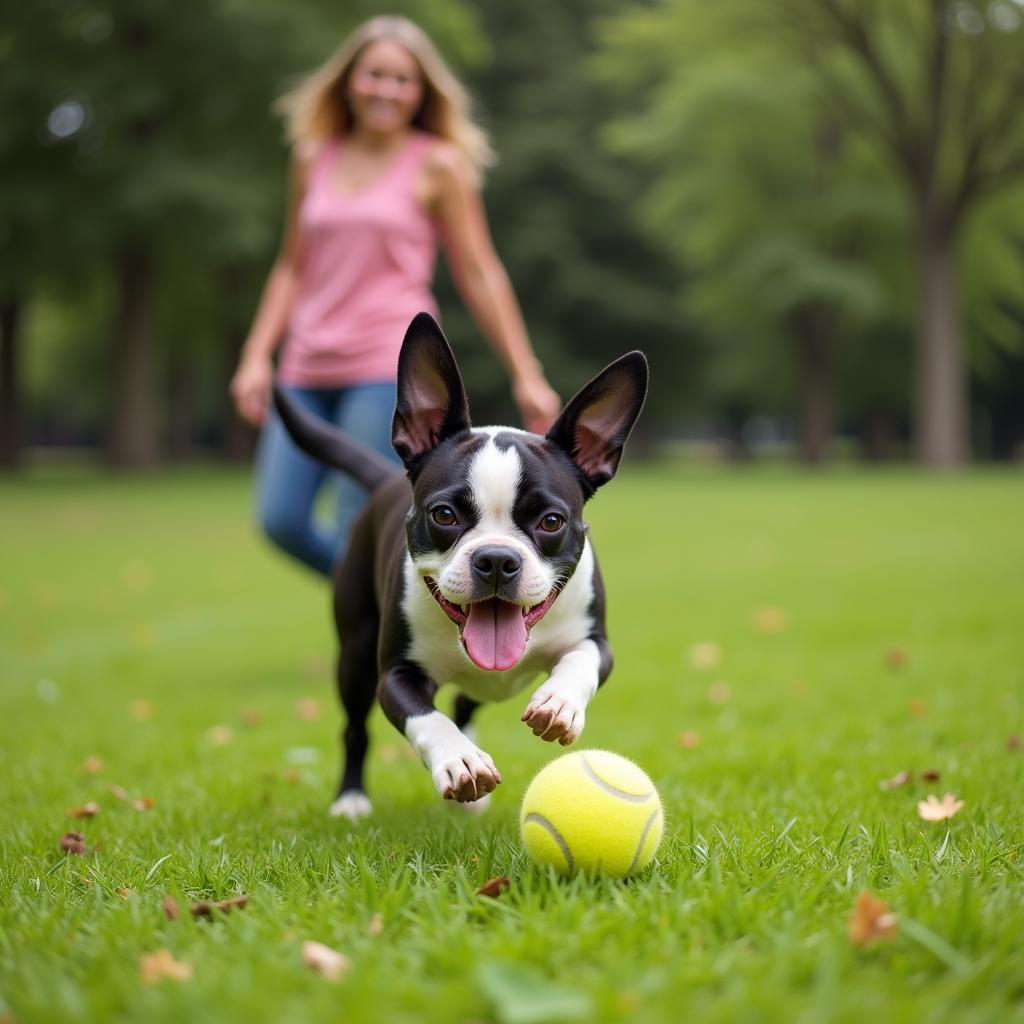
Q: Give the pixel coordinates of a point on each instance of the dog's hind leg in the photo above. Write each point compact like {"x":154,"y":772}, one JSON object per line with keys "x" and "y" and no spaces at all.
{"x":356,"y":687}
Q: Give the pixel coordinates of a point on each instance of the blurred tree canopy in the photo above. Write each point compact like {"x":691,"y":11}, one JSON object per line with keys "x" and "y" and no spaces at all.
{"x":801,"y":143}
{"x":772,"y":200}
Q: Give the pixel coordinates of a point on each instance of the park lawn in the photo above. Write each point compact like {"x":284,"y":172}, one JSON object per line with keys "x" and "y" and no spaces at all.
{"x":864,"y":625}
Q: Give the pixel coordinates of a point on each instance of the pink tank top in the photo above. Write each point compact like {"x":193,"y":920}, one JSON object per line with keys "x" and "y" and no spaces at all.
{"x":365,"y":265}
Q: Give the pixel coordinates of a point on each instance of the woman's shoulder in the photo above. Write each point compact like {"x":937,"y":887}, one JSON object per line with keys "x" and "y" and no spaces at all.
{"x":443,"y":159}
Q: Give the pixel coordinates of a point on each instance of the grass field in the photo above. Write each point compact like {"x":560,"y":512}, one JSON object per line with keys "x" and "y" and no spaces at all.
{"x":863,"y":625}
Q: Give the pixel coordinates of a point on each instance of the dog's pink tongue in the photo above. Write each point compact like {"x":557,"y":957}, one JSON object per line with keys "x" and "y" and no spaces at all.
{"x":495,"y":634}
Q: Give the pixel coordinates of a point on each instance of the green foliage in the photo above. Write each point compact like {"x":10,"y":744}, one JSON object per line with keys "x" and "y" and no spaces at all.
{"x":118,"y":590}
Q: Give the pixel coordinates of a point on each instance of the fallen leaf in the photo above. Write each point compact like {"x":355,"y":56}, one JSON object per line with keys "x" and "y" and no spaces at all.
{"x":705,"y":655}
{"x":171,"y":909}
{"x":494,"y":886}
{"x":220,"y":735}
{"x":688,"y":739}
{"x":154,"y":967}
{"x":896,"y":657}
{"x":770,"y":620}
{"x":205,"y":908}
{"x":871,"y":919}
{"x":142,"y":710}
{"x":326,"y":961}
{"x":120,"y":792}
{"x":92,"y":766}
{"x":917,"y":707}
{"x":308,"y":709}
{"x":1013,"y":743}
{"x":932,"y":775}
{"x":123,"y":891}
{"x":73,"y":842}
{"x":720,"y":693}
{"x":89,"y":810}
{"x":900,"y":779}
{"x":145,"y":804}
{"x":376,"y":924}
{"x":252,"y":717}
{"x":933,"y":809}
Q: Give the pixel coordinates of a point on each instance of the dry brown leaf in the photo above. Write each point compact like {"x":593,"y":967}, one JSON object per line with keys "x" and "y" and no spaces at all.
{"x":896,"y":657}
{"x":145,"y":804}
{"x":308,"y":709}
{"x":142,"y":710}
{"x":326,"y":961}
{"x":171,"y":909}
{"x":73,"y":842}
{"x":205,"y":908}
{"x":934,"y":809}
{"x":120,"y":792}
{"x":871,"y":919}
{"x":770,"y":620}
{"x":705,"y":655}
{"x":900,"y":779}
{"x":220,"y":735}
{"x":252,"y":717}
{"x":917,"y":707}
{"x":154,"y":967}
{"x":720,"y":692}
{"x":123,"y":891}
{"x":688,"y":739}
{"x":932,"y":775}
{"x":89,"y":810}
{"x":1013,"y":743}
{"x":92,"y":765}
{"x":494,"y":886}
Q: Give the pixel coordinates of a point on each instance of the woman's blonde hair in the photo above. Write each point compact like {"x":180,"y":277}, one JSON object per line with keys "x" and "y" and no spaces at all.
{"x":317,"y":108}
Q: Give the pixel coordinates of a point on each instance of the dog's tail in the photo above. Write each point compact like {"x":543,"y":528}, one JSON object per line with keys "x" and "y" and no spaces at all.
{"x":327,"y":443}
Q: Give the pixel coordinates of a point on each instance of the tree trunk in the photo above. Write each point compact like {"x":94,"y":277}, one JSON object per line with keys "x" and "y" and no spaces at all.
{"x":132,"y":440}
{"x":10,"y":383}
{"x":941,"y":391}
{"x":814,"y":331}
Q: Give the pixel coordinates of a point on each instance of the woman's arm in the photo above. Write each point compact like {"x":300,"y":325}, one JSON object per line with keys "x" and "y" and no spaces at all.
{"x":483,"y":283}
{"x":250,"y":386}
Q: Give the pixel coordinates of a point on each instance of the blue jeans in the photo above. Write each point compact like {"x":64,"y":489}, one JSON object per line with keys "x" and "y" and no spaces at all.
{"x":288,"y":480}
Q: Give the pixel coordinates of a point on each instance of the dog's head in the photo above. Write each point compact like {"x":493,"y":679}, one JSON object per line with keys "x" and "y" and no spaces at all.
{"x":496,"y":526}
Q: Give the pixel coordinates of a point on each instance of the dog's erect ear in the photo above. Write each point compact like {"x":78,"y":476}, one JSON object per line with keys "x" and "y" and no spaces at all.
{"x":431,"y":404}
{"x":594,"y":426}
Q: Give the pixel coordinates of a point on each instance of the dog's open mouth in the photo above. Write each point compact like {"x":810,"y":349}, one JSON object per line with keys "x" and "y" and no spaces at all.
{"x":494,"y":632}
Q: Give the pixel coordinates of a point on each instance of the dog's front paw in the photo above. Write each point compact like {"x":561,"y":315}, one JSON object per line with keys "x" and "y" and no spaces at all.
{"x":466,"y":775}
{"x":554,"y":715}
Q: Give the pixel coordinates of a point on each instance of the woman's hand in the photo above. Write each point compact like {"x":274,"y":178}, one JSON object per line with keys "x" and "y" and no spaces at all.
{"x":250,"y":388}
{"x":537,"y":401}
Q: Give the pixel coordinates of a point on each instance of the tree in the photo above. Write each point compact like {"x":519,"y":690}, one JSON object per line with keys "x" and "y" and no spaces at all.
{"x":935,"y":87}
{"x":929,"y":87}
{"x":757,"y":194}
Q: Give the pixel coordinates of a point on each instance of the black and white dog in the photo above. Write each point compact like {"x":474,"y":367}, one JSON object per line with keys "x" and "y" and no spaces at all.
{"x":472,"y":568}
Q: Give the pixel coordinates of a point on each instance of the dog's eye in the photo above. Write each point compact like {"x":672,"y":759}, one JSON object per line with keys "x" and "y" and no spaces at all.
{"x":443,"y":515}
{"x":552,"y":522}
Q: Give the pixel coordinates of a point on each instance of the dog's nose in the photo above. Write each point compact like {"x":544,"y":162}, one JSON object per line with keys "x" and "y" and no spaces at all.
{"x":496,"y":565}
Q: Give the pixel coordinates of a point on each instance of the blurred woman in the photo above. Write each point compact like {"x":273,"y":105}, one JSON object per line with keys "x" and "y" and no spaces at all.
{"x":386,"y":164}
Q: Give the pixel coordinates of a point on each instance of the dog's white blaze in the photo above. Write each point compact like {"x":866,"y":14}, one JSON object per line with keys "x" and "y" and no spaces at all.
{"x":494,"y":477}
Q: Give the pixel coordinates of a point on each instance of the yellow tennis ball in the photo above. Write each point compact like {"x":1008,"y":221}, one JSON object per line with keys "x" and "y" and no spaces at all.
{"x":592,"y":811}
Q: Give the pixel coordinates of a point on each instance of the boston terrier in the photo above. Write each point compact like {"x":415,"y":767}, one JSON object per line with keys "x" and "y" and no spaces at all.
{"x":473,"y":567}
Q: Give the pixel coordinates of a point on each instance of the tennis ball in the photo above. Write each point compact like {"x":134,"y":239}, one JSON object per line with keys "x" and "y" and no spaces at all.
{"x":592,"y":811}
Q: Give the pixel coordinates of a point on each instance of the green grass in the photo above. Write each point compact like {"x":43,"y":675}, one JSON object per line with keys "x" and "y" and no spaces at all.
{"x":114,"y":591}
